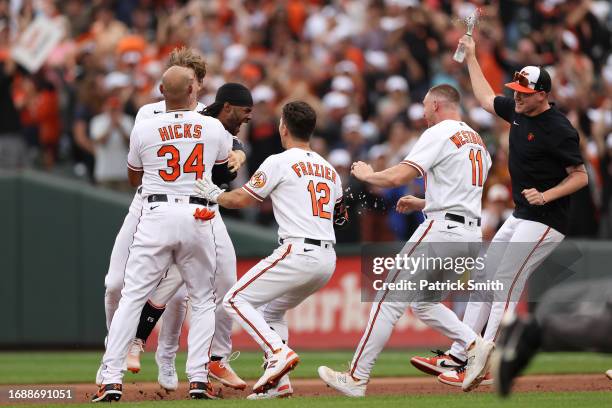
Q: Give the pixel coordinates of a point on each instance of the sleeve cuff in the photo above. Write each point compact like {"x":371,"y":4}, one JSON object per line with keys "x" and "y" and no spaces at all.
{"x":135,"y":168}
{"x":252,"y":193}
{"x":413,"y":164}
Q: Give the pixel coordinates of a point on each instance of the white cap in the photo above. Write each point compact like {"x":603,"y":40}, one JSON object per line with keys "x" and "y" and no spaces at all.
{"x":378,"y":59}
{"x":345,"y":67}
{"x":402,"y":3}
{"x":369,"y":130}
{"x":498,"y":192}
{"x":342,"y":83}
{"x":263,"y":93}
{"x":396,"y":83}
{"x":377,"y":151}
{"x":233,"y":56}
{"x":392,"y":23}
{"x":482,"y":117}
{"x":335,"y":100}
{"x":352,"y":123}
{"x":416,"y":111}
{"x":116,"y":80}
{"x":339,"y":158}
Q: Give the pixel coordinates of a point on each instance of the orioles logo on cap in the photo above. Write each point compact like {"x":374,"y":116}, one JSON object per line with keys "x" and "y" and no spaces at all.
{"x":258,"y":180}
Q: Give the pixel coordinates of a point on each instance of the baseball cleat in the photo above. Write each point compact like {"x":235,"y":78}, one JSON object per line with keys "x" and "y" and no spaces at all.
{"x":202,"y":390}
{"x":478,"y":362}
{"x":282,"y":390}
{"x":223,"y":372}
{"x":166,"y":376}
{"x":518,"y":342}
{"x":133,"y":356}
{"x":108,"y":393}
{"x":343,"y":382}
{"x":438,"y":364}
{"x":277,"y":365}
{"x":456,"y":377}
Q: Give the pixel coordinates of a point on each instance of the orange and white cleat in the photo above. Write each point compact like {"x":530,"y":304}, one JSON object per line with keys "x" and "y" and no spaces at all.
{"x":277,"y":365}
{"x":222,"y":371}
{"x":133,"y":357}
{"x":440,"y":363}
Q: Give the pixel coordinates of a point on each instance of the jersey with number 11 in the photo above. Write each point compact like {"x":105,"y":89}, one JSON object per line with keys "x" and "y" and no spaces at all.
{"x":175,"y":148}
{"x":304,"y":189}
{"x":455,"y":162}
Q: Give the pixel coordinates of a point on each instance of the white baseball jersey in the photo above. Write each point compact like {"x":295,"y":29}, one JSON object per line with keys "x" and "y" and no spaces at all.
{"x":454,"y":161}
{"x":152,"y":109}
{"x":304,"y":189}
{"x":176,"y":148}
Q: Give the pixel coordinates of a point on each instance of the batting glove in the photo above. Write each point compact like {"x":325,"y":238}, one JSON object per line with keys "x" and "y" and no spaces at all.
{"x":207,"y":189}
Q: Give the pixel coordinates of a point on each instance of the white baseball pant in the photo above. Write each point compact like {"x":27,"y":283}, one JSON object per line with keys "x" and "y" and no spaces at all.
{"x":166,"y":233}
{"x":171,"y":291}
{"x":280,"y":282}
{"x":176,"y":307}
{"x":385,"y":313}
{"x":517,"y":249}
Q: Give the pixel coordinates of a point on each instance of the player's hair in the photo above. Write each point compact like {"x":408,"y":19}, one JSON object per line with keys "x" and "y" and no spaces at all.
{"x":300,"y":119}
{"x":188,"y":58}
{"x":448,"y":92}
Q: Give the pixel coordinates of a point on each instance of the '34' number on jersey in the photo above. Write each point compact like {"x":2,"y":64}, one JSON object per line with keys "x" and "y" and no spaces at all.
{"x":193,"y":164}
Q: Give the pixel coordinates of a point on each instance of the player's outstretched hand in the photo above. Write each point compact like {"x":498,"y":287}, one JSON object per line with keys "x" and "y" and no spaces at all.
{"x":236,"y":160}
{"x":533,"y":196}
{"x":361,"y":170}
{"x":409,"y":203}
{"x":207,"y":189}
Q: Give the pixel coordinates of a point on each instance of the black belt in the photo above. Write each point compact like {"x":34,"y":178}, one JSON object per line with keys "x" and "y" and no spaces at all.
{"x":306,"y":241}
{"x":153,"y":198}
{"x":458,"y":218}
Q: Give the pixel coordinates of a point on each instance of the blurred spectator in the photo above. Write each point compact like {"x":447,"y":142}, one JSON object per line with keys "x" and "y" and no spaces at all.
{"x":496,"y":209}
{"x":363,"y":65}
{"x":110,"y":135}
{"x":12,"y":145}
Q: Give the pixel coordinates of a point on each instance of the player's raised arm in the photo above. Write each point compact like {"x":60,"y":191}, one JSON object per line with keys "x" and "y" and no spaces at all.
{"x":482,"y":90}
{"x":395,"y":176}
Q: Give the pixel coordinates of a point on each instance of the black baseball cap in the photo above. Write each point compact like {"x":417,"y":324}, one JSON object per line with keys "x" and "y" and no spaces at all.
{"x":234,"y":94}
{"x":530,"y":80}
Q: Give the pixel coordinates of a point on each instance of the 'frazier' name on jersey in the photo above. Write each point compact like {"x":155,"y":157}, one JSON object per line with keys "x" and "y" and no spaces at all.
{"x":313,"y":169}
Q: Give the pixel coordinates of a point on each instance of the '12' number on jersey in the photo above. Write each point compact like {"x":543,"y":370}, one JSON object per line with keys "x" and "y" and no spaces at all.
{"x":317,"y":204}
{"x":194,"y":163}
{"x":476,"y":159}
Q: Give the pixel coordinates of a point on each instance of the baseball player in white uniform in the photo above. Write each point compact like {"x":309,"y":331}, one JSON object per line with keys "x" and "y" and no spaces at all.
{"x":455,"y":162}
{"x":306,"y":259}
{"x":545,"y":167}
{"x":167,"y":154}
{"x":162,"y":299}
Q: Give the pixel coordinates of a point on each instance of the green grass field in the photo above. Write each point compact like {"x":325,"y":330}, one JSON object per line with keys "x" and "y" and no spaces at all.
{"x":80,"y":367}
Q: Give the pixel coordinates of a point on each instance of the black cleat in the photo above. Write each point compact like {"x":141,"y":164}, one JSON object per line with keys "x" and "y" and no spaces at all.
{"x":108,"y":393}
{"x":202,"y":390}
{"x":519,"y":341}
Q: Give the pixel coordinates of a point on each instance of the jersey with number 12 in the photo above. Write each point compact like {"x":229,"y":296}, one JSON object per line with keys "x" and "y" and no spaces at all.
{"x":176,"y":148}
{"x":304,"y":189}
{"x":455,"y":163}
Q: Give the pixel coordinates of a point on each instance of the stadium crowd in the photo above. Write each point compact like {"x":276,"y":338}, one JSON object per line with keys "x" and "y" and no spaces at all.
{"x":364,"y":65}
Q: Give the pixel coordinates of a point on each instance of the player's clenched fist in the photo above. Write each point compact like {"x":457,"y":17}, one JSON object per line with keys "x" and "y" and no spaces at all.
{"x":207,"y":189}
{"x":409,"y":203}
{"x":361,"y":170}
{"x":533,"y":196}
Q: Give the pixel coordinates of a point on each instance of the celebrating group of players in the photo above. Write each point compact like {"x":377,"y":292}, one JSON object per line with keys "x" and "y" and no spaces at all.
{"x":173,"y":245}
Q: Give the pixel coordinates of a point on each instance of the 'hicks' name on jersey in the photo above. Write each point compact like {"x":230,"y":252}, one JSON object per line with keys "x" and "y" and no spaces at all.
{"x":314,"y":169}
{"x":466,"y":136}
{"x":180,"y":131}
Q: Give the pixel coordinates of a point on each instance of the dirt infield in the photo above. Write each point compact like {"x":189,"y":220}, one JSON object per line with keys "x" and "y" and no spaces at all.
{"x":314,"y":387}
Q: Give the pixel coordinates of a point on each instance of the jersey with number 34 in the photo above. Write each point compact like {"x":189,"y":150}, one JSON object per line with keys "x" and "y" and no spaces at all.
{"x":304,"y":189}
{"x":455,"y":162}
{"x":176,"y":148}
